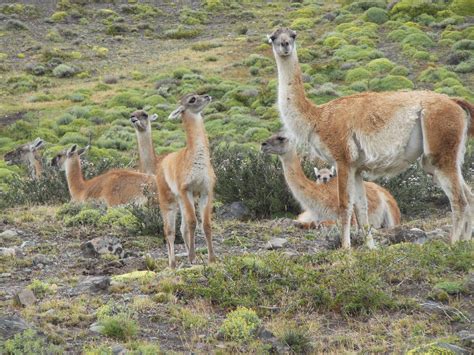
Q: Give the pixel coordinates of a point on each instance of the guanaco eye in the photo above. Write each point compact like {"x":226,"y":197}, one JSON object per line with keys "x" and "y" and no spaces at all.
{"x":192,"y":100}
{"x":281,"y":139}
{"x":330,"y":175}
{"x":319,"y":176}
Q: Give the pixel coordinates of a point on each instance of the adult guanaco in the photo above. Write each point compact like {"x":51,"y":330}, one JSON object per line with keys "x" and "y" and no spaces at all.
{"x":27,"y":154}
{"x":115,"y":187}
{"x":320,"y":199}
{"x":187,"y":176}
{"x":377,"y":134}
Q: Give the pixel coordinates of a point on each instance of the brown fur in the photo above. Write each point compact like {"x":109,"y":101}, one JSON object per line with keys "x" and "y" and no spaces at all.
{"x":352,"y":131}
{"x":27,"y":154}
{"x":115,"y":187}
{"x":470,"y":109}
{"x":187,"y":175}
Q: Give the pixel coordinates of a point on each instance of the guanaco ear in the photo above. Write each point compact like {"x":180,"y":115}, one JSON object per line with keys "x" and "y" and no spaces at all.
{"x":333,"y":170}
{"x":270,"y":39}
{"x":71,"y":151}
{"x":153,"y":117}
{"x":316,"y":171}
{"x":83,"y":150}
{"x":37,"y":143}
{"x":176,"y":113}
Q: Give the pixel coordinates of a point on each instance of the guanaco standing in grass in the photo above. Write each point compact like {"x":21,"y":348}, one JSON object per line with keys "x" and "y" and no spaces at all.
{"x":378,"y":134}
{"x":186,"y":176}
{"x":115,"y":187}
{"x":320,"y":199}
{"x":27,"y":154}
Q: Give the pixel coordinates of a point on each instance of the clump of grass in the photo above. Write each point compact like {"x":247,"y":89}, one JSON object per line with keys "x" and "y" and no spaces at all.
{"x":41,"y":289}
{"x":297,"y":339}
{"x":240,"y":325}
{"x":391,"y":83}
{"x":29,"y":342}
{"x":64,"y":71}
{"x":120,"y":326}
{"x":376,"y":15}
{"x":182,"y":32}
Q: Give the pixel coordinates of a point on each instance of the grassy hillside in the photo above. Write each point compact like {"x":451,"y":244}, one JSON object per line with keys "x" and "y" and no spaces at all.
{"x":72,"y":71}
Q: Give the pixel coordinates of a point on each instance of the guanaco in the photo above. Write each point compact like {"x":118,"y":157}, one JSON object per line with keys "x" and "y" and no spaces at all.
{"x":149,"y":160}
{"x":115,"y":187}
{"x":320,"y":199}
{"x":27,"y":154}
{"x":186,"y":176}
{"x":324,"y":175}
{"x":377,"y":134}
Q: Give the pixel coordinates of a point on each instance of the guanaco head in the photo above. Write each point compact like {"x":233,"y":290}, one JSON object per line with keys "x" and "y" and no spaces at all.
{"x":277,"y":144}
{"x":25,"y":153}
{"x":191,"y":103}
{"x":282,"y":41}
{"x":141,"y":121}
{"x":324,"y":175}
{"x":72,"y":153}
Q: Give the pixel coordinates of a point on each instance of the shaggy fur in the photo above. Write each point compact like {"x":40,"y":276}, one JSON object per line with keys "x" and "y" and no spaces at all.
{"x":27,"y":154}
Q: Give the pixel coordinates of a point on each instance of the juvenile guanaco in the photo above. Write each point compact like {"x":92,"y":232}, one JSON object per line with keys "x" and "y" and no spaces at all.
{"x":320,"y":199}
{"x":27,"y":154}
{"x":324,"y":175}
{"x":186,"y":176}
{"x":115,"y":187}
{"x":378,"y":134}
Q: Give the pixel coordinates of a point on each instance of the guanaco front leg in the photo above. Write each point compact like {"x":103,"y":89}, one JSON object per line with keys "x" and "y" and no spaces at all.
{"x":205,"y":211}
{"x":346,"y":198}
{"x":361,"y":211}
{"x":187,"y":205}
{"x":169,"y":222}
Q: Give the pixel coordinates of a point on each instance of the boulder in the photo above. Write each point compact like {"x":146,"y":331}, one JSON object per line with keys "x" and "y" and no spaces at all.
{"x":276,"y":243}
{"x":103,"y":245}
{"x":25,"y":297}
{"x":11,"y":325}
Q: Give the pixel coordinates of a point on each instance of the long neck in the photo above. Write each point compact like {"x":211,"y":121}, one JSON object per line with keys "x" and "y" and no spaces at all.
{"x":34,"y":166}
{"x":38,"y":168}
{"x":196,"y":138}
{"x":307,"y":192}
{"x":146,"y":152}
{"x":75,"y":180}
{"x":293,"y":104}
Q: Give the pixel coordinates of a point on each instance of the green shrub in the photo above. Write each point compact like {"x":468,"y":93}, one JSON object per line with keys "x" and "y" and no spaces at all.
{"x":302,"y":24}
{"x":433,"y":75}
{"x":16,"y":25}
{"x":240,"y":325}
{"x":390,"y":83}
{"x":120,"y":326}
{"x":380,"y":65}
{"x":399,"y":70}
{"x":182,"y":32}
{"x":376,"y":15}
{"x":40,"y":288}
{"x":115,"y":29}
{"x":29,"y":342}
{"x":359,"y":86}
{"x":465,"y":67}
{"x":418,"y":40}
{"x":86,"y":216}
{"x":462,"y":7}
{"x":360,"y":6}
{"x":450,"y":287}
{"x":351,"y":52}
{"x":59,"y":16}
{"x":244,"y":174}
{"x":467,"y":44}
{"x":415,"y":8}
{"x":297,"y":339}
{"x":334,"y":42}
{"x":357,"y":74}
{"x":64,"y":71}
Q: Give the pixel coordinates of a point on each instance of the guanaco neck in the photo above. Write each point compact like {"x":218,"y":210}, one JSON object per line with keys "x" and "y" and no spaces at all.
{"x":146,"y":152}
{"x":34,"y":165}
{"x":197,"y":144}
{"x":75,"y":180}
{"x":38,"y":168}
{"x":306,"y":191}
{"x":292,"y":101}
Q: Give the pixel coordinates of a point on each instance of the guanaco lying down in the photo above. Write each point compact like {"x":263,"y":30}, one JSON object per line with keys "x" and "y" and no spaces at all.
{"x":186,"y":176}
{"x":321,"y":199}
{"x":115,"y":187}
{"x":27,"y":154}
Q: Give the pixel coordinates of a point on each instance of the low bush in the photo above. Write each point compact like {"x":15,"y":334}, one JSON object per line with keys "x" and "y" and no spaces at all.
{"x":29,"y":342}
{"x":376,"y":15}
{"x":64,"y":71}
{"x":244,"y":174}
{"x":240,"y":325}
{"x":120,"y":326}
{"x":182,"y":32}
{"x":391,"y":83}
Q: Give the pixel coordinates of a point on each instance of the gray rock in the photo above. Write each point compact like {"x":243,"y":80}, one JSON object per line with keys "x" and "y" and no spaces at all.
{"x":276,"y":243}
{"x":96,"y":327}
{"x":400,"y":235}
{"x":9,"y":233}
{"x":467,"y":338}
{"x":118,"y":349}
{"x":442,"y":309}
{"x":346,"y":66}
{"x":92,"y":284}
{"x":235,"y":210}
{"x":103,"y":245}
{"x":11,"y":325}
{"x":469,"y":283}
{"x":8,"y":252}
{"x":25,"y":297}
{"x":329,"y":16}
{"x":438,"y":233}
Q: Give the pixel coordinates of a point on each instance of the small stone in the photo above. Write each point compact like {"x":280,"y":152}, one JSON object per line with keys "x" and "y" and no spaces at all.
{"x":41,"y":259}
{"x":11,"y":325}
{"x":467,"y":338}
{"x":118,"y":349}
{"x":235,"y":210}
{"x":276,"y":243}
{"x":8,"y":252}
{"x":400,"y":235}
{"x":442,"y":309}
{"x":265,"y":334}
{"x":9,"y":233}
{"x":103,"y":245}
{"x":93,"y":284}
{"x":96,"y":327}
{"x":25,"y":297}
